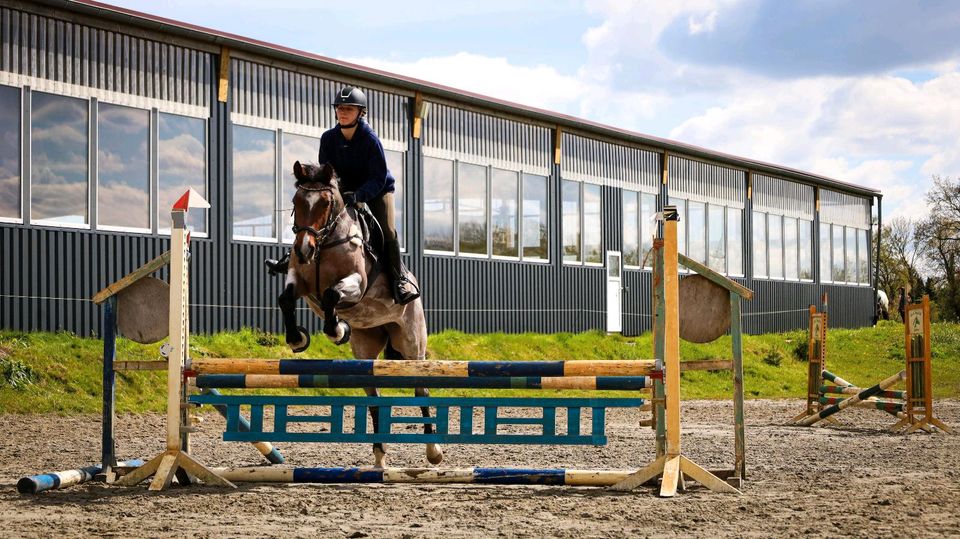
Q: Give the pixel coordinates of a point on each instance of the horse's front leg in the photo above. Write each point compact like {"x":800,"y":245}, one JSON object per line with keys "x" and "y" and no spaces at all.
{"x":434,"y":452}
{"x":346,"y":290}
{"x":379,"y":451}
{"x":298,"y":339}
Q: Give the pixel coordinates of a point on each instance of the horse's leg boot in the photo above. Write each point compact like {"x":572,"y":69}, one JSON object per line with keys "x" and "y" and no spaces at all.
{"x":280,"y":266}
{"x":404,"y":291}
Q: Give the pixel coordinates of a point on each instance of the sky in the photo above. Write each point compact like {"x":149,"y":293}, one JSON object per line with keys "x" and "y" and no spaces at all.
{"x":866,"y":92}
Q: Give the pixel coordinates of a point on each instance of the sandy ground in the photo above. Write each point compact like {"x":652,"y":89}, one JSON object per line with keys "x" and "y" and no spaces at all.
{"x":853,"y":481}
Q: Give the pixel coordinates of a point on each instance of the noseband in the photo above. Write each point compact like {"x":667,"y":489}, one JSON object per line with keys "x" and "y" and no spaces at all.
{"x":320,"y":236}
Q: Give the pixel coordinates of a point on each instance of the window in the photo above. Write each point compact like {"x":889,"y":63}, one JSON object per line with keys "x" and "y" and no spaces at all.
{"x":648,"y":227}
{"x":123,"y":167}
{"x":734,"y":241}
{"x":850,"y":260}
{"x":472,"y":208}
{"x":534,"y":217}
{"x":570,"y":207}
{"x":839,"y":273}
{"x":295,"y":148}
{"x":775,"y":246}
{"x":504,"y":189}
{"x":10,"y":130}
{"x":790,"y":268}
{"x":631,"y":228}
{"x":696,"y":231}
{"x":716,"y":249}
{"x":863,"y":258}
{"x":681,"y":205}
{"x":438,"y":204}
{"x":804,"y":249}
{"x":826,"y":275}
{"x":592,"y":225}
{"x":395,"y":164}
{"x":759,"y":244}
{"x":182,"y":157}
{"x":254,"y":169}
{"x":59,"y":159}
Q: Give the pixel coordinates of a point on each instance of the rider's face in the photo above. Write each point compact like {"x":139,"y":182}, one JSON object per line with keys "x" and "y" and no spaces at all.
{"x":347,"y":114}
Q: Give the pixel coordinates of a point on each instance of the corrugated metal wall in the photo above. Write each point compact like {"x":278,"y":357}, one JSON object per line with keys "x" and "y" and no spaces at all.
{"x":230,"y":289}
{"x":465,"y":135}
{"x":783,"y":197}
{"x":74,"y":54}
{"x":843,"y":209}
{"x":299,"y":102}
{"x":706,"y":182}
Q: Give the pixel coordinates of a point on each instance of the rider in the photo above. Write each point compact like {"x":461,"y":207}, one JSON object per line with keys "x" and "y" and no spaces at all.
{"x":356,"y":153}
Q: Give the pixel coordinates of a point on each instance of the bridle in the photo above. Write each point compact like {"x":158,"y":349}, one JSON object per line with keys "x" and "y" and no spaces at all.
{"x":333,"y":219}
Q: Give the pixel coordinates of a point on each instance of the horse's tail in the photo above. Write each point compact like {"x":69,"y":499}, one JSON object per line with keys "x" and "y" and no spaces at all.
{"x":390,"y":352}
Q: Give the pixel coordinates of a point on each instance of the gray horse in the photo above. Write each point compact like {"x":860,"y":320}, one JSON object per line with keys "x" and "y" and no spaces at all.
{"x":334,"y":269}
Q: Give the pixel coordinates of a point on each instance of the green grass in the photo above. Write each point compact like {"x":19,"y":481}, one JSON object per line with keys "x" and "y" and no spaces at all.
{"x":61,"y":373}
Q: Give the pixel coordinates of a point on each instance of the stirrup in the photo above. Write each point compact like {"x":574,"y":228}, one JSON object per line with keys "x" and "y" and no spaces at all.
{"x":278,"y":267}
{"x":404,"y":291}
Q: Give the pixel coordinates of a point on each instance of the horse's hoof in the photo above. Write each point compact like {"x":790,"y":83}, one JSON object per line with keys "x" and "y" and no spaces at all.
{"x":379,"y":459}
{"x":304,"y":341}
{"x":434,"y":454}
{"x":345,"y":336}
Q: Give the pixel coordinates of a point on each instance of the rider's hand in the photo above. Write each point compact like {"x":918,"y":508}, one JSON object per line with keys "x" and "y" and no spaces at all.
{"x":349,"y":199}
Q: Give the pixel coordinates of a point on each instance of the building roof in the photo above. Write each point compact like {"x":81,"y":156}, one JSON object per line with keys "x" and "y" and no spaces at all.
{"x":199,"y":33}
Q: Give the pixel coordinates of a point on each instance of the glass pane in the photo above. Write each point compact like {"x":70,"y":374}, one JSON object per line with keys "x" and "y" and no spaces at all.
{"x":851,"y":255}
{"x":123,"y":166}
{"x":681,"y":205}
{"x":775,"y":243}
{"x":734,"y":241}
{"x":839,"y":275}
{"x":396,"y":167}
{"x":631,"y":228}
{"x":534,"y":217}
{"x":613,"y":266}
{"x":863,"y":259}
{"x":472,"y":208}
{"x":648,"y":227}
{"x":804,"y":248}
{"x":592,"y":225}
{"x":570,"y":194}
{"x":790,"y":270}
{"x":826,"y":275}
{"x":697,"y":231}
{"x":759,"y":244}
{"x":59,"y":162}
{"x":10,"y":129}
{"x":716,"y":250}
{"x":182,"y":155}
{"x":504,"y":190}
{"x":437,"y":204}
{"x":295,"y":148}
{"x":254,"y":171}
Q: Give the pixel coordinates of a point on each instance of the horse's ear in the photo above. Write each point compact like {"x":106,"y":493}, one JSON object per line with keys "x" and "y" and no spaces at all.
{"x":298,"y":171}
{"x":327,"y":174}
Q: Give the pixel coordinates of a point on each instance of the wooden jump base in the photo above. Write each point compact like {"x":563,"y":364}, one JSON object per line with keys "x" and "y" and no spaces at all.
{"x":913,"y":407}
{"x":557,"y":420}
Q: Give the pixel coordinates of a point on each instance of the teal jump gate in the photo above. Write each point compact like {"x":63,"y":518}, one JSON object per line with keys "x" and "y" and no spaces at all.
{"x":462,"y":431}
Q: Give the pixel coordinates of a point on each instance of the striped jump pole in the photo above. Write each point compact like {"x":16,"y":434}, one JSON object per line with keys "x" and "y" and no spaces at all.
{"x":853,"y":390}
{"x":863,"y":395}
{"x":483,"y":476}
{"x":594,"y":383}
{"x":387,"y":367}
{"x":35,"y":484}
{"x":887,"y":406}
{"x":265,"y":448}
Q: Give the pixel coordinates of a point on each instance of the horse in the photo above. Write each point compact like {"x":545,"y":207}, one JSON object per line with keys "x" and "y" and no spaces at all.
{"x":334,"y":269}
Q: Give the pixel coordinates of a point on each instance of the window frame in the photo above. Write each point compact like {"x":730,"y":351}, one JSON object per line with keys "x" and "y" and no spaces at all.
{"x":546,"y":211}
{"x":155,"y":183}
{"x":151,"y":177}
{"x":24,"y":204}
{"x":277,"y":141}
{"x":518,"y":215}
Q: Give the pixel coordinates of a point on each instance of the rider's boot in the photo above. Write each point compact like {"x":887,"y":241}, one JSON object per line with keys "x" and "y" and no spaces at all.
{"x":278,"y":267}
{"x":404,"y":290}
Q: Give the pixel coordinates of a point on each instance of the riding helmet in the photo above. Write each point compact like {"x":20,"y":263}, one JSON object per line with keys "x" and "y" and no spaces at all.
{"x":351,"y":96}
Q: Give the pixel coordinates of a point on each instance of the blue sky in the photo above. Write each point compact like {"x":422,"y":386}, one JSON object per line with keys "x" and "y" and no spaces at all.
{"x":863,"y":91}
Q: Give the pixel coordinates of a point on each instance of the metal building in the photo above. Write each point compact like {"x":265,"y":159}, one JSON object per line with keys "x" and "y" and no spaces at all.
{"x":513,"y":218}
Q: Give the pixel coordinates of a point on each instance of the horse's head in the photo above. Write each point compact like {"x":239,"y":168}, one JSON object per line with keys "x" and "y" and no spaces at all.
{"x":317,"y":208}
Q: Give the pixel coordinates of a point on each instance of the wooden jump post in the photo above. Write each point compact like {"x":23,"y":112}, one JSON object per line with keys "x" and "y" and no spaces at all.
{"x":913,"y":407}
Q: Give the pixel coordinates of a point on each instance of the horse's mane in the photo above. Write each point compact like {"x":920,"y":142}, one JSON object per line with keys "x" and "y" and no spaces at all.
{"x":323,"y":174}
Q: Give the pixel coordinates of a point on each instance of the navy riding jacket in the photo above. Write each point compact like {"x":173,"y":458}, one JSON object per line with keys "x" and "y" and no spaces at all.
{"x":360,"y":162}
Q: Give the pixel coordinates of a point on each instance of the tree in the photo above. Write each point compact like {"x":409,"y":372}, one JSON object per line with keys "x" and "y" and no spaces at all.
{"x":939,"y":241}
{"x":900,"y":258}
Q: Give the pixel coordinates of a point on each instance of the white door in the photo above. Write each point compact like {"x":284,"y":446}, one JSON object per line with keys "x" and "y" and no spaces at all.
{"x":614,"y":293}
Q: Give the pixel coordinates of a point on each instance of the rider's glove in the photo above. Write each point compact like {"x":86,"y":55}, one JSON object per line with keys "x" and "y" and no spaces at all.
{"x":349,"y":199}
